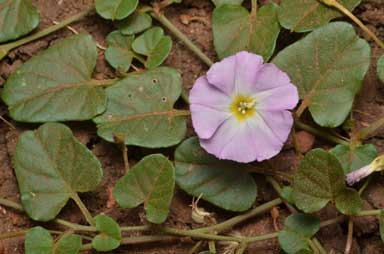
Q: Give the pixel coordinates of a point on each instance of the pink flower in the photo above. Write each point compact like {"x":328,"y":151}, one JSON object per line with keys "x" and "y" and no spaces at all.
{"x":240,"y":108}
{"x":376,"y":165}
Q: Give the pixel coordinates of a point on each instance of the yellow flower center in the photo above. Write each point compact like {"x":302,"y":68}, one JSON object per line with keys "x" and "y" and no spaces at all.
{"x":243,"y":107}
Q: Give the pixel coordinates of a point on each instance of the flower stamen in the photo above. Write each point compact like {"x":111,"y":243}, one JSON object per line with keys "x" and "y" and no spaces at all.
{"x":243,"y":107}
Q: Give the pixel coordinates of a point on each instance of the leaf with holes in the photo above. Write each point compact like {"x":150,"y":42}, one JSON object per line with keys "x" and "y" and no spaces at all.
{"x":115,"y":9}
{"x":235,"y":29}
{"x":153,"y":44}
{"x":306,"y":15}
{"x":151,"y":181}
{"x":17,"y":18}
{"x":320,"y":179}
{"x":355,"y":158}
{"x":110,"y":234}
{"x":39,"y":241}
{"x":51,"y":166}
{"x":223,"y":183}
{"x":119,"y":53}
{"x":328,"y":67}
{"x":43,"y":87}
{"x":140,"y":110}
{"x":222,"y":2}
{"x":135,"y":23}
{"x":298,"y":229}
{"x":380,"y":68}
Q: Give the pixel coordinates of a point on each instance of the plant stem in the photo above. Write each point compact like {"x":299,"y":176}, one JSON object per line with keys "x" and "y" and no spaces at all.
{"x":242,"y":248}
{"x":5,"y":48}
{"x":103,"y":82}
{"x":136,"y":228}
{"x":212,"y":247}
{"x":13,"y":234}
{"x":369,"y":212}
{"x":335,"y":220}
{"x":321,"y":134}
{"x":341,"y":8}
{"x":83,"y":209}
{"x":163,"y":20}
{"x":228,"y":224}
{"x":373,"y":127}
{"x":348,"y":245}
{"x":11,"y":204}
{"x":319,"y":246}
{"x":76,"y":227}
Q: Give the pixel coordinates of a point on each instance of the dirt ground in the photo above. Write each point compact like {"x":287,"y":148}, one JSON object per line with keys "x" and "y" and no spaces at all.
{"x":369,"y":106}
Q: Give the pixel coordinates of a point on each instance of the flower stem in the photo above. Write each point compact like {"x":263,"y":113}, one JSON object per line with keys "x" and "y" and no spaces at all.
{"x":83,"y":209}
{"x":322,"y":134}
{"x":5,"y":48}
{"x":341,"y":8}
{"x":163,"y":20}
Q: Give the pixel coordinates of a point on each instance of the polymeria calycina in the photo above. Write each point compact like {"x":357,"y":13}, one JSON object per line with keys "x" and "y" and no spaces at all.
{"x":240,"y":108}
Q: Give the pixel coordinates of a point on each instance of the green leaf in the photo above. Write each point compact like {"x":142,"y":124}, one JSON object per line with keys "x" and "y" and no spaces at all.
{"x":380,"y":68}
{"x":328,"y":67}
{"x":39,"y":241}
{"x":153,"y":44}
{"x":119,"y":53}
{"x":42,"y":89}
{"x":222,"y":2}
{"x":235,"y":29}
{"x":17,"y":18}
{"x":140,"y":109}
{"x":306,"y":15}
{"x":115,"y":9}
{"x":151,"y":181}
{"x":356,"y":158}
{"x":135,"y":23}
{"x":381,"y":223}
{"x":298,"y":229}
{"x":320,"y":179}
{"x":287,"y":194}
{"x":110,"y":234}
{"x":51,"y":166}
{"x":223,"y":183}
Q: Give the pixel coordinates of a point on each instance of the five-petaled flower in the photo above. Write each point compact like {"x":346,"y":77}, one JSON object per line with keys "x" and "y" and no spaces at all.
{"x":240,"y":108}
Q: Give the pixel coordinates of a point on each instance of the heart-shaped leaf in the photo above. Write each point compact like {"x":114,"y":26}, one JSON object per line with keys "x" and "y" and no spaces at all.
{"x":39,"y":241}
{"x":51,"y":166}
{"x":306,"y":15}
{"x":380,"y":68}
{"x":17,"y":18}
{"x":115,"y":9}
{"x":135,"y":23}
{"x":119,"y":53}
{"x":140,"y":109}
{"x":320,"y":179}
{"x":223,"y":183}
{"x":328,"y":67}
{"x":298,"y":229}
{"x":151,"y":181}
{"x":56,"y":84}
{"x":153,"y":44}
{"x":235,"y":29}
{"x":221,"y":2}
{"x":355,"y":158}
{"x":110,"y":234}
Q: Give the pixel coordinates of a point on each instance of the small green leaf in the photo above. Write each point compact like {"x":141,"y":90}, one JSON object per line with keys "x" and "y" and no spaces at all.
{"x":349,"y":201}
{"x":151,"y":181}
{"x":356,"y":158}
{"x":381,"y":223}
{"x":135,"y":23}
{"x":320,"y":179}
{"x":140,"y":109}
{"x":234,"y":30}
{"x":115,"y":9}
{"x":223,"y":183}
{"x":119,"y":53}
{"x":153,"y":44}
{"x":306,"y":15}
{"x":110,"y":234}
{"x":380,"y":68}
{"x":38,"y":241}
{"x":328,"y":67}
{"x":42,"y":89}
{"x":17,"y":18}
{"x":222,"y":2}
{"x":298,"y":229}
{"x":51,"y":166}
{"x":287,"y":194}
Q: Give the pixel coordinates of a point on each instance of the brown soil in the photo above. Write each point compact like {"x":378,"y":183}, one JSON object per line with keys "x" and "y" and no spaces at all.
{"x":369,"y":107}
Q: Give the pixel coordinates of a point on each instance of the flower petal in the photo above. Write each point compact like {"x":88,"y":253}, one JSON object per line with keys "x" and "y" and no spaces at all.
{"x":279,"y":98}
{"x":222,"y":75}
{"x":247,"y":69}
{"x":206,"y":120}
{"x":270,"y":77}
{"x":355,"y":176}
